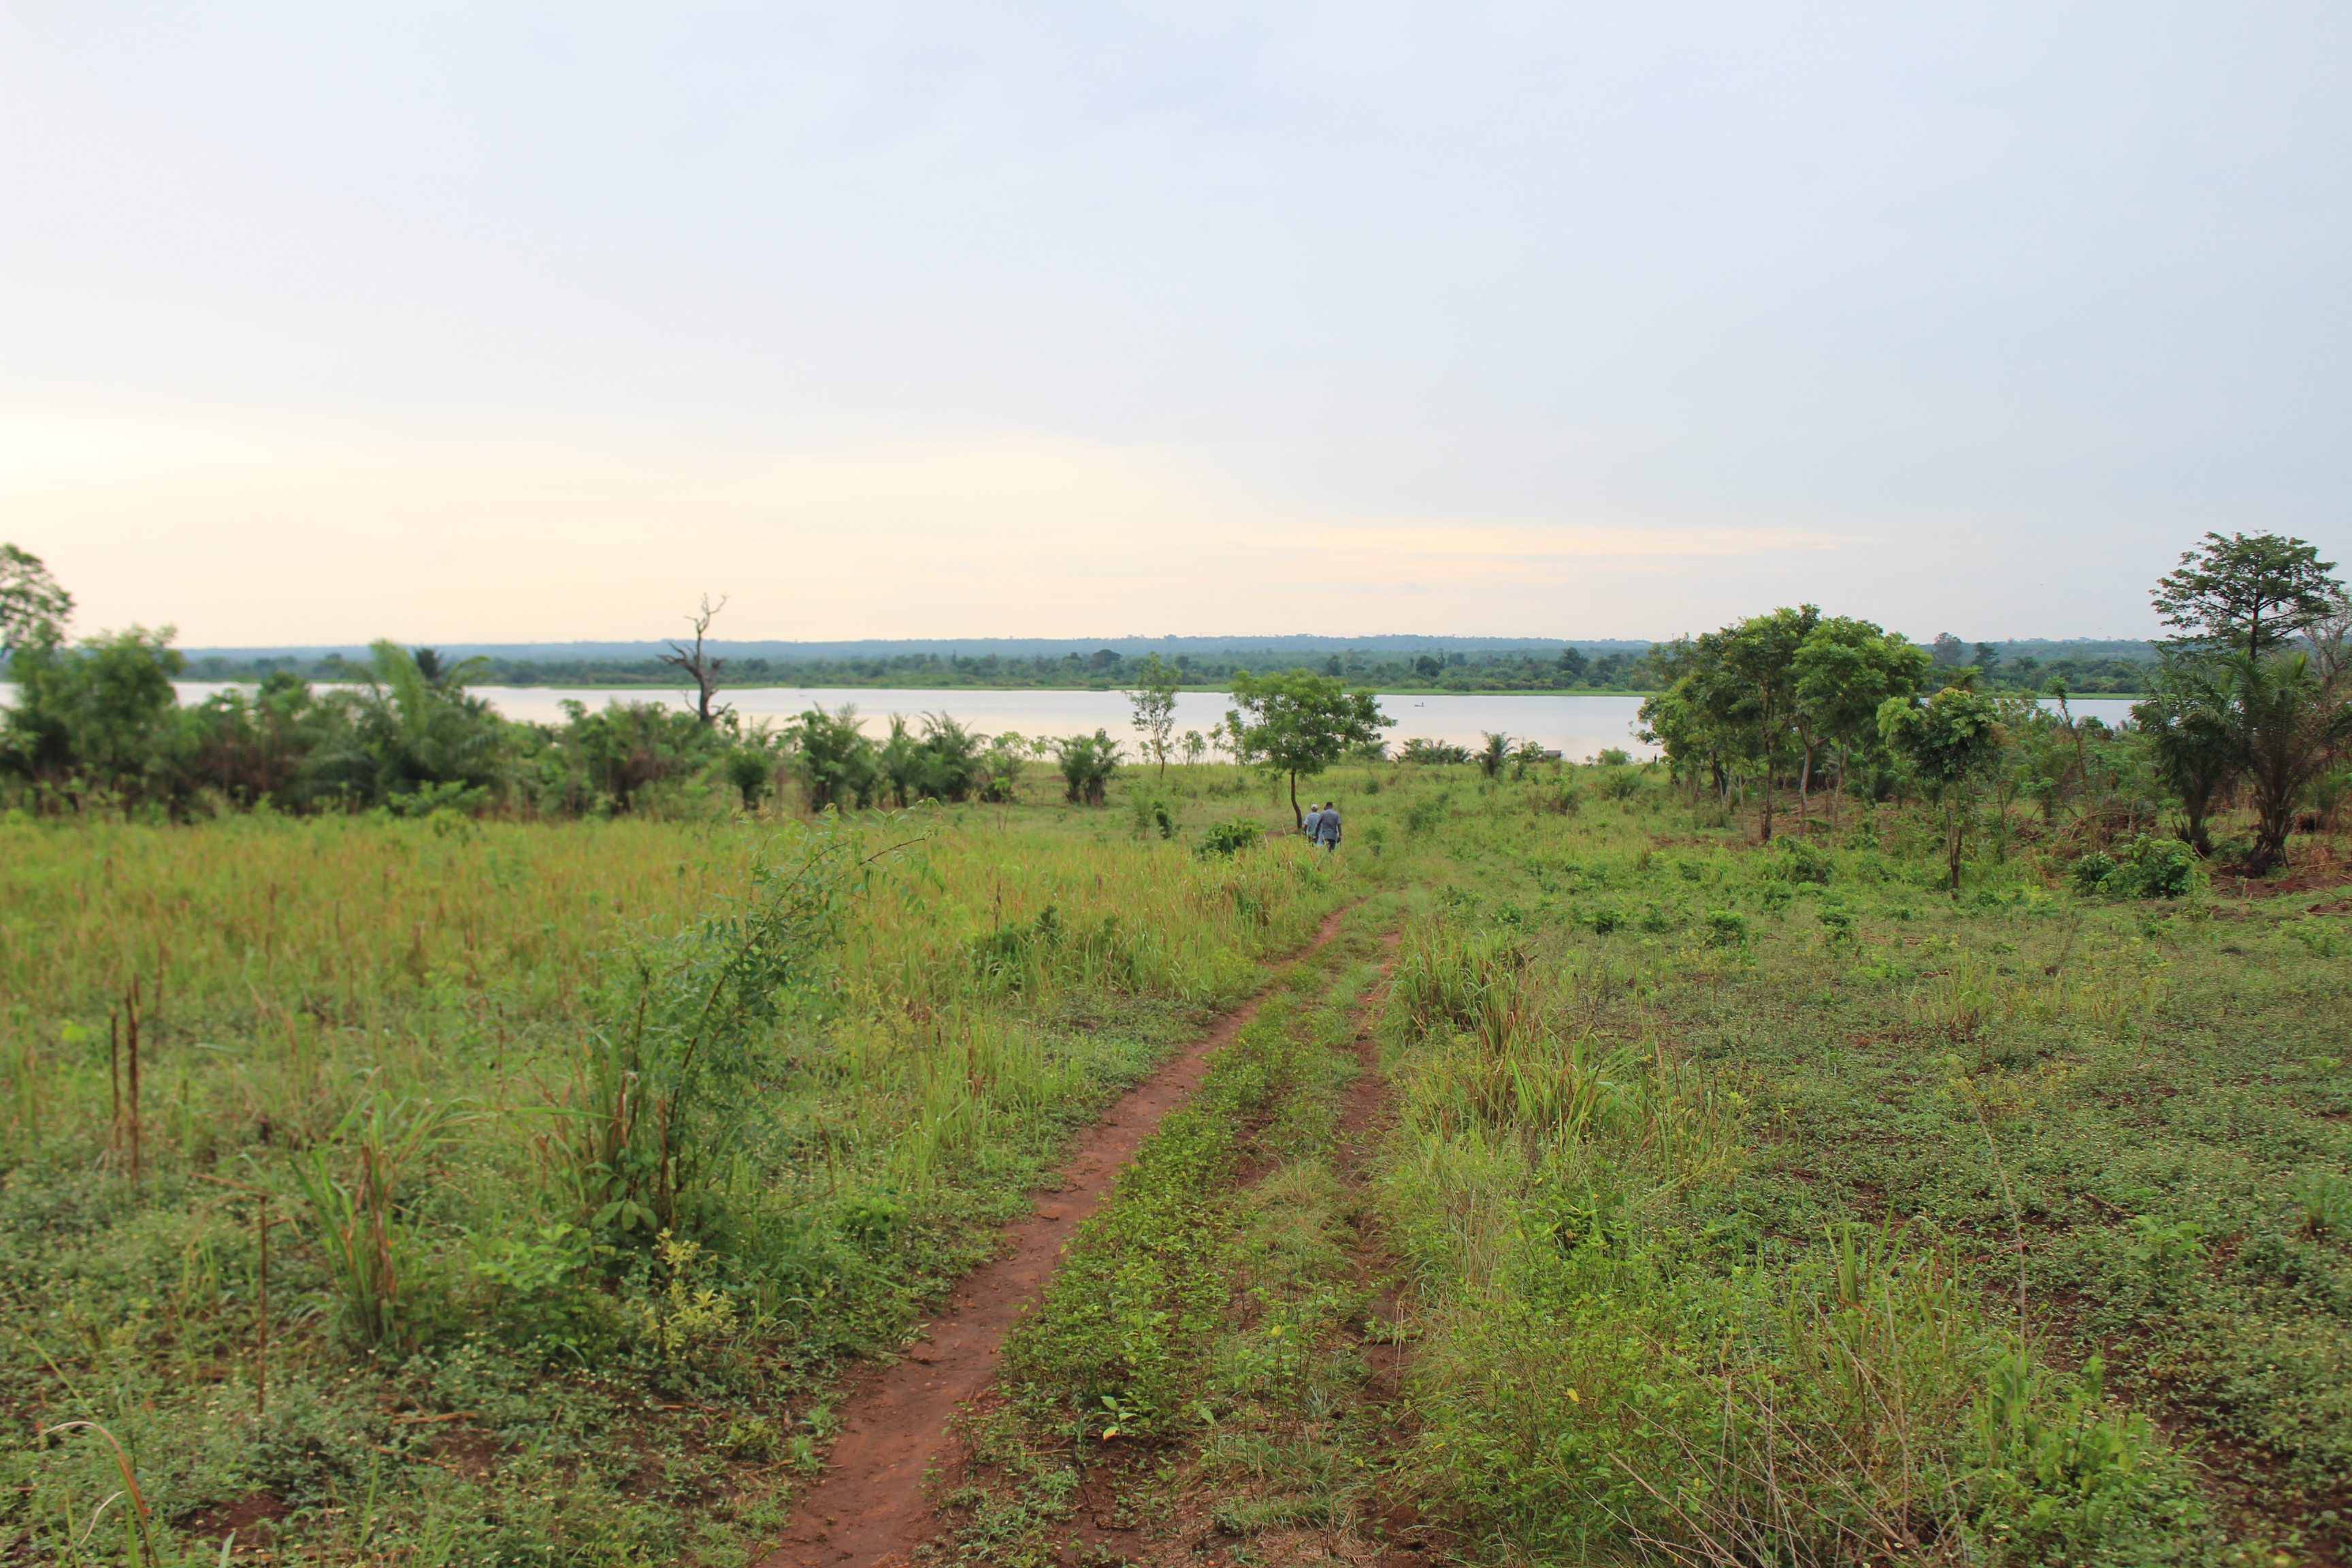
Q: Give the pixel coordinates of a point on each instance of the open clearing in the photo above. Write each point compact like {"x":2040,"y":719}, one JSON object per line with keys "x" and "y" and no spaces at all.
{"x":1656,"y":1196}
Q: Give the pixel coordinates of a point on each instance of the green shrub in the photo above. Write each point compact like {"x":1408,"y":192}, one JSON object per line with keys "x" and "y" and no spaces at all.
{"x":2144,"y":869}
{"x":1229,"y":838}
{"x":1424,"y":816}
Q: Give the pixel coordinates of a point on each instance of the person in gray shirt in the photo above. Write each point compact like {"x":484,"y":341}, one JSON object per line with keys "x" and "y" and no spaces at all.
{"x":1327,"y":831}
{"x":1311,"y":826}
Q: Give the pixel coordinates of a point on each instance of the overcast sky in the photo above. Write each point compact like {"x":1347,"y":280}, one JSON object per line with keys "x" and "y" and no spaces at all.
{"x":497,"y":322}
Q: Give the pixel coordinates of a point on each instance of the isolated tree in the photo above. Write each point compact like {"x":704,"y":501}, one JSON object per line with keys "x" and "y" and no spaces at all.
{"x":1846,"y":671}
{"x":1497,"y":752}
{"x":2247,"y":594}
{"x":1950,"y":652}
{"x":1196,"y":745}
{"x":32,"y":608}
{"x":1953,"y":740}
{"x":700,"y":668}
{"x":1300,"y":724}
{"x":1153,"y":700}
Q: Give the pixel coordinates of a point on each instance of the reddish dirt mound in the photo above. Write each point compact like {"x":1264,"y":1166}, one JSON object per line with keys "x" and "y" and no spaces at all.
{"x":868,"y":1509}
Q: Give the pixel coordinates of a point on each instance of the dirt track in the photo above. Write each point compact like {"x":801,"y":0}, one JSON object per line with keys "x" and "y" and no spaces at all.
{"x":868,"y":1509}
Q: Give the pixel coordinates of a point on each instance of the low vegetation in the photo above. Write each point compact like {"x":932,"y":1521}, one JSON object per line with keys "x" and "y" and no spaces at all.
{"x":1837,"y":1143}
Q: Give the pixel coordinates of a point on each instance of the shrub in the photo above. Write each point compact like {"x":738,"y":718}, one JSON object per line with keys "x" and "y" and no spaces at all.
{"x":1154,"y":812}
{"x":1803,"y":863}
{"x":1230,"y":838}
{"x":2144,"y":868}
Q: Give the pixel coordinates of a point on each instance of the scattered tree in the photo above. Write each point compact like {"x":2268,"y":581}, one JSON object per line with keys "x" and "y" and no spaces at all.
{"x":2247,"y":594}
{"x":1300,"y":724}
{"x":701,"y":668}
{"x":1153,"y":702}
{"x":1846,"y":671}
{"x":1087,"y":763}
{"x":32,"y":608}
{"x":1952,"y":739}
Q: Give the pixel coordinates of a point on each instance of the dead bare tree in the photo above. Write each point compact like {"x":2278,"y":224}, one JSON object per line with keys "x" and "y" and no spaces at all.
{"x":701,"y":667}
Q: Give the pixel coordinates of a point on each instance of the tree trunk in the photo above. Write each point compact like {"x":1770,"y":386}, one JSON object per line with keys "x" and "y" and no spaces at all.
{"x":2274,"y":819}
{"x":1298,"y":816}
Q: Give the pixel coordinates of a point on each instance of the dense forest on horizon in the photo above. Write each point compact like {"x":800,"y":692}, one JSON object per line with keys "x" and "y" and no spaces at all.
{"x":2087,"y":668}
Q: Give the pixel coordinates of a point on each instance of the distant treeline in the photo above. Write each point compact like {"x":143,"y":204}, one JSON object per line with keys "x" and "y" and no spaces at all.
{"x":2092,"y":670}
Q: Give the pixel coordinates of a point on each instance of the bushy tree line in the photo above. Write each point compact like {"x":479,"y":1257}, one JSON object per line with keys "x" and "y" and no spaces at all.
{"x":1105,"y":670}
{"x":97,"y":724}
{"x":2253,"y":709}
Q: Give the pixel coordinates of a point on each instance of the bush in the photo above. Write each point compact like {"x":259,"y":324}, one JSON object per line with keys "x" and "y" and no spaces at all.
{"x":1154,"y":812}
{"x":1803,"y":863}
{"x":1230,"y":838}
{"x":2144,"y":868}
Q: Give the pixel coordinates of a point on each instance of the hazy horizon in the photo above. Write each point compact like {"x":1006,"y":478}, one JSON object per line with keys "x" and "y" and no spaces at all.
{"x":917,"y":322}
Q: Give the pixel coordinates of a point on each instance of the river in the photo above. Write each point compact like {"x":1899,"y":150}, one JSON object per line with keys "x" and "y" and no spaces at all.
{"x":1578,"y":726}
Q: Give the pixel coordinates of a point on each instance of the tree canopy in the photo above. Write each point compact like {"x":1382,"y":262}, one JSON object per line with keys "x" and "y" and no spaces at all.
{"x":1300,"y":724}
{"x":2247,"y":593}
{"x":32,"y":606}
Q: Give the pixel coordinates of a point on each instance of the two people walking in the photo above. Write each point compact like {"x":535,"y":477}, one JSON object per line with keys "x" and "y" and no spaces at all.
{"x":1322,"y":826}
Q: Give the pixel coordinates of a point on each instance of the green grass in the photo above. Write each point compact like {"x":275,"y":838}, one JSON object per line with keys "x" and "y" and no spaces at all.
{"x":1771,"y":1204}
{"x":1741,"y":1203}
{"x":456,"y":1077}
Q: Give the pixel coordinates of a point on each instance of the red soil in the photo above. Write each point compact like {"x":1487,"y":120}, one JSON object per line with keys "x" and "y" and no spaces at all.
{"x":868,"y":1509}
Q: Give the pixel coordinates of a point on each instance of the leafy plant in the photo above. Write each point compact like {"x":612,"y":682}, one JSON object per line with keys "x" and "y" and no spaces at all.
{"x":2326,"y":1200}
{"x":1226,"y":840}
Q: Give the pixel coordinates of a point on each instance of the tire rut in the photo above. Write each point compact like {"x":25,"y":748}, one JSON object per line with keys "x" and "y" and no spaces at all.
{"x":868,"y":1508}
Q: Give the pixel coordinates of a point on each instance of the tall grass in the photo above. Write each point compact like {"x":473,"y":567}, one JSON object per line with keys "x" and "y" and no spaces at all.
{"x":694,"y":1099}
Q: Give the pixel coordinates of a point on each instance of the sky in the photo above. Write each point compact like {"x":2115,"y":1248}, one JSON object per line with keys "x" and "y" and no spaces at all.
{"x":514,"y":321}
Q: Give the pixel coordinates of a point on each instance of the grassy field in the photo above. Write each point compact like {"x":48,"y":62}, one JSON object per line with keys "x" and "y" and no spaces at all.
{"x":1723,"y":1204}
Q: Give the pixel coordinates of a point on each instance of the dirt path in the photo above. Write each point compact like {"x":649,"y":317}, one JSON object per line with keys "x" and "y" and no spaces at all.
{"x":868,"y":1509}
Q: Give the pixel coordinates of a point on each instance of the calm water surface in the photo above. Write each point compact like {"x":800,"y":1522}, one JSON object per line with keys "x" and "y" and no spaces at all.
{"x":1578,"y":726}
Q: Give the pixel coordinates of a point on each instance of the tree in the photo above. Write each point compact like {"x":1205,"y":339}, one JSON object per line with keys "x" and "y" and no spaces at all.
{"x":1846,"y":671}
{"x":1497,"y":752}
{"x":1153,"y":700}
{"x":627,"y":748}
{"x":1760,"y":657}
{"x":1196,"y":745}
{"x":1953,"y":740}
{"x":96,"y":715}
{"x":1300,"y":723}
{"x":2247,"y":594}
{"x":1087,"y":763}
{"x":701,"y":668}
{"x":2189,"y":739}
{"x":32,"y":608}
{"x":2278,"y":724}
{"x":833,"y":756}
{"x":400,"y":733}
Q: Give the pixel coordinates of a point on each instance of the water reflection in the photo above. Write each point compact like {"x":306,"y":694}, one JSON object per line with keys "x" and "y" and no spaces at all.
{"x":1577,"y":725}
